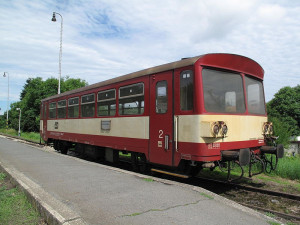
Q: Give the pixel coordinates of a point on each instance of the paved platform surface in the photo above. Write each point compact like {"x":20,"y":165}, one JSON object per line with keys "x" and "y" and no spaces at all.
{"x":69,"y":190}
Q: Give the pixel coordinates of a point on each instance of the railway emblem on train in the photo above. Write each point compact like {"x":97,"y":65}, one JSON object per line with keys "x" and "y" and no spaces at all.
{"x":56,"y":125}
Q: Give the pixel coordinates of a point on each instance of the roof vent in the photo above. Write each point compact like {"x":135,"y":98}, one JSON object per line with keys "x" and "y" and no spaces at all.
{"x":185,"y":58}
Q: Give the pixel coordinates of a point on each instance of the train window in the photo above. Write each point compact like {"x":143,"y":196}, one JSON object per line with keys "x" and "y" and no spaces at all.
{"x":223,"y":92}
{"x":42,"y":111}
{"x":73,"y":107}
{"x":132,"y":90}
{"x":255,"y":96}
{"x":106,"y":103}
{"x":61,"y":109}
{"x":131,"y":99}
{"x":52,"y":110}
{"x":186,"y":90}
{"x":161,"y":97}
{"x":88,"y":105}
{"x":45,"y":110}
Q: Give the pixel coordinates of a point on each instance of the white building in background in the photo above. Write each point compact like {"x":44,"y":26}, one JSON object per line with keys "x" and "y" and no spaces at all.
{"x":294,"y":145}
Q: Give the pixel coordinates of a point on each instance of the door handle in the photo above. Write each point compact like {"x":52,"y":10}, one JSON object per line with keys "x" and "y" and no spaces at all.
{"x":166,"y":142}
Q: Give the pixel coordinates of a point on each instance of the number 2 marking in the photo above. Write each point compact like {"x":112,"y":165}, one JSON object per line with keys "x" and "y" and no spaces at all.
{"x":160,"y":134}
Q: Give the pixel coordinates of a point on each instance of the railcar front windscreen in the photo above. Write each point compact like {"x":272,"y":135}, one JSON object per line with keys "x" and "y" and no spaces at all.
{"x":255,"y":96}
{"x":223,"y":92}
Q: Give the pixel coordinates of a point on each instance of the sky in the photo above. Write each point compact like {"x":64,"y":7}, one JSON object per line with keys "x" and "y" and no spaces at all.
{"x":106,"y":39}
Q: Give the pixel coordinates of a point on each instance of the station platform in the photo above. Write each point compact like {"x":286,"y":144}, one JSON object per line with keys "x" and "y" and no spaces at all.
{"x":69,"y":190}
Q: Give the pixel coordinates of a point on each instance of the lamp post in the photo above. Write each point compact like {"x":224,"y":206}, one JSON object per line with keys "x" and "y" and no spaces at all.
{"x":4,"y":75}
{"x":19,"y":134}
{"x":60,"y":51}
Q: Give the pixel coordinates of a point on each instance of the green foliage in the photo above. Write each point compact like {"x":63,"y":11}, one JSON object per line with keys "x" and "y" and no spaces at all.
{"x":148,"y":179}
{"x":14,"y":207}
{"x":288,"y":167}
{"x":281,"y":130}
{"x":34,"y":90}
{"x":285,"y":106}
{"x":3,"y":121}
{"x":30,"y":136}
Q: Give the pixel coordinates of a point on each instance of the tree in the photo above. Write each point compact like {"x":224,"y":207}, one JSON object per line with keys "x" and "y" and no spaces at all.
{"x":2,"y":121}
{"x":284,"y":109}
{"x":34,"y":90}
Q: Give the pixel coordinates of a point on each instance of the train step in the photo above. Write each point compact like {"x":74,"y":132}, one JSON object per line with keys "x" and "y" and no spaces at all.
{"x":170,"y":173}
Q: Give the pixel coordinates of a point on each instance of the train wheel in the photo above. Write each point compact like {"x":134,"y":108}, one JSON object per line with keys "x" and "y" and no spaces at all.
{"x":145,"y":168}
{"x":134,"y":162}
{"x":64,"y":149}
{"x":55,"y":145}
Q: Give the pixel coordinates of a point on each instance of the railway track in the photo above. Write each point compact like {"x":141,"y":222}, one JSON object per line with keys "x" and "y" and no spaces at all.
{"x":259,"y":191}
{"x":254,"y":189}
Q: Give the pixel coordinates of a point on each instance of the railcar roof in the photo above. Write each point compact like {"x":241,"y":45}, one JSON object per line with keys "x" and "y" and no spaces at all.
{"x":152,"y":70}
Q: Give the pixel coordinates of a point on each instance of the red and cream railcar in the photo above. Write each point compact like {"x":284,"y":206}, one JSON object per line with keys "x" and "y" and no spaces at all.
{"x":201,"y":111}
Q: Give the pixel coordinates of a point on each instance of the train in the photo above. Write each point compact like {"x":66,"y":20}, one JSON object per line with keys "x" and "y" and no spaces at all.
{"x":199,"y":112}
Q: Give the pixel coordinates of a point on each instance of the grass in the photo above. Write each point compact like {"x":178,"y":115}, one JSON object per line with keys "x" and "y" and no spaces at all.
{"x":270,"y":215}
{"x":148,"y":179}
{"x":288,"y":167}
{"x":207,"y":196}
{"x":14,"y":206}
{"x":31,"y":136}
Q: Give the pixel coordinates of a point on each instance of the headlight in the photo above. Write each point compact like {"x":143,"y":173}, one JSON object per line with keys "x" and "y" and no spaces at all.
{"x":224,"y":129}
{"x":271,"y":129}
{"x":265,"y":128}
{"x":216,"y":129}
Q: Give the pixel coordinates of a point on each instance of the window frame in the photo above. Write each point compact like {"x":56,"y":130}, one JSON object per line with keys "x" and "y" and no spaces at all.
{"x":131,"y":85}
{"x":193,"y":91}
{"x":60,"y":107}
{"x":73,"y":105}
{"x":52,"y":109}
{"x":166,"y":96}
{"x":107,"y":100}
{"x":242,"y":96}
{"x":131,"y":96}
{"x":261,"y":91}
{"x":82,"y":104}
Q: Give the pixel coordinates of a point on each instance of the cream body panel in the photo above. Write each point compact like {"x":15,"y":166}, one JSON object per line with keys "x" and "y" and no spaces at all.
{"x":41,"y":125}
{"x":240,"y":128}
{"x":129,"y":127}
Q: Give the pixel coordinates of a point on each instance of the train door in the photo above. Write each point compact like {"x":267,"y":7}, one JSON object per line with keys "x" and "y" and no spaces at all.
{"x":161,"y":119}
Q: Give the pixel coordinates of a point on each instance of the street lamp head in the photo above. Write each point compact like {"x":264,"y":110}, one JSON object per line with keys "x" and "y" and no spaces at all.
{"x":4,"y":74}
{"x":53,"y":17}
{"x":18,"y":109}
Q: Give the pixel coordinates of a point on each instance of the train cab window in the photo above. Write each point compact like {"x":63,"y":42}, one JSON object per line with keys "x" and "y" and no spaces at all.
{"x":106,"y":103}
{"x":131,"y":99}
{"x":73,"y":107}
{"x":52,"y":110}
{"x":255,"y":96}
{"x":88,"y":105}
{"x":186,"y":90}
{"x":161,"y":97}
{"x":62,"y":109}
{"x":223,"y":92}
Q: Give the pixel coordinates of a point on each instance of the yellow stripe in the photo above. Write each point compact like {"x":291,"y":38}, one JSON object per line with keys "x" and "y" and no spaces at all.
{"x":170,"y":173}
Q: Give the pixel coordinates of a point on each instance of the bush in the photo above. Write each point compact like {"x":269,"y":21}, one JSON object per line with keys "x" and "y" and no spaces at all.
{"x":288,"y":167}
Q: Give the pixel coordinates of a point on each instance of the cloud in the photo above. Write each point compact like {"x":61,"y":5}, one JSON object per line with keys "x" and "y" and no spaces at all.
{"x":105,"y":39}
